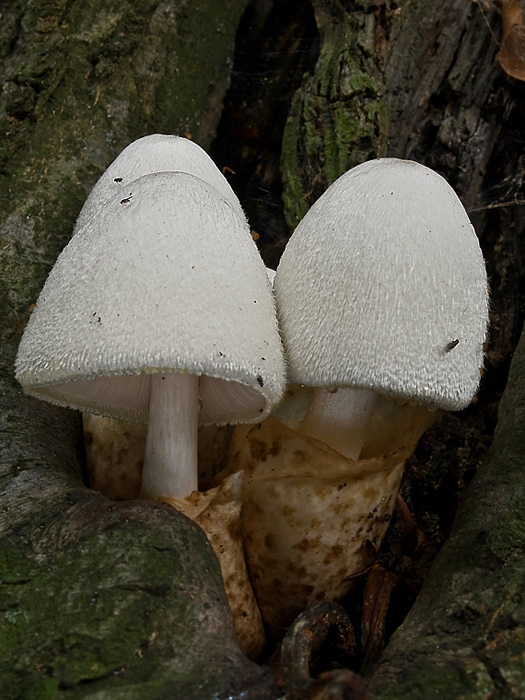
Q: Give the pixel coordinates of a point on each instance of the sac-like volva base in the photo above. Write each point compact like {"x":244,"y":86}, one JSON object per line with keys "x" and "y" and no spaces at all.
{"x":308,"y":509}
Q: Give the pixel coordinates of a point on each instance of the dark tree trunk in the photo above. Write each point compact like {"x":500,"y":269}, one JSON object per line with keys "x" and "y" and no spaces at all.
{"x":109,"y":600}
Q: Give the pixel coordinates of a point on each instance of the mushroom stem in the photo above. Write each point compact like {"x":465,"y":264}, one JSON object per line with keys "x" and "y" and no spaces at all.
{"x":170,"y":460}
{"x":339,"y":418}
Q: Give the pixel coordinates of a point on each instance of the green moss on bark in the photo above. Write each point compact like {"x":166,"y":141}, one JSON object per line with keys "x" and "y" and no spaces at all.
{"x":80,"y":81}
{"x":339,"y":116}
{"x":111,"y":582}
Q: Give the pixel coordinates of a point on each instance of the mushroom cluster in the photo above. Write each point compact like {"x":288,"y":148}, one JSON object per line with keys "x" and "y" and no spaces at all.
{"x":160,"y":311}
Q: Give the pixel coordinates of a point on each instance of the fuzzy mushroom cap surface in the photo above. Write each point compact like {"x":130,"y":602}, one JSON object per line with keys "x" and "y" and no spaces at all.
{"x":165,"y":279}
{"x":383,"y":286}
{"x":154,"y":154}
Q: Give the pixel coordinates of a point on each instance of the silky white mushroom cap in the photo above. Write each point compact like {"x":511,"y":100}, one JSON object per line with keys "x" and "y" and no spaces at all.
{"x":154,"y":154}
{"x":383,"y":286}
{"x":166,"y":279}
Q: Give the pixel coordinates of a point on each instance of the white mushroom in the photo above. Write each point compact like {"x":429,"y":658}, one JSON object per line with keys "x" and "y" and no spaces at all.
{"x":382,"y":302}
{"x":382,"y":288}
{"x":114,"y":464}
{"x":155,"y":153}
{"x":159,"y":304}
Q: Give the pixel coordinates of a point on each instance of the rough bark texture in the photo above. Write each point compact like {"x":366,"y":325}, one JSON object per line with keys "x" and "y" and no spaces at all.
{"x":97,"y":599}
{"x":339,"y":116}
{"x":465,"y":636}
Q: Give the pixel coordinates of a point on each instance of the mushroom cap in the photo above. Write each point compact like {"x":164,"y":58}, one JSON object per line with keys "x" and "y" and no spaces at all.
{"x":383,"y":286}
{"x":165,"y":279}
{"x":154,"y":154}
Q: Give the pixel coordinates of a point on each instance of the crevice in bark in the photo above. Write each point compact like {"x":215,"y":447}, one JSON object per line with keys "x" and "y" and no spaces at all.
{"x":277,"y":43}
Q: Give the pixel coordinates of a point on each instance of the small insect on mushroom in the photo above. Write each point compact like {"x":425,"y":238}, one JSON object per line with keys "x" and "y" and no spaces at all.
{"x":450,"y":346}
{"x":127,"y":199}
